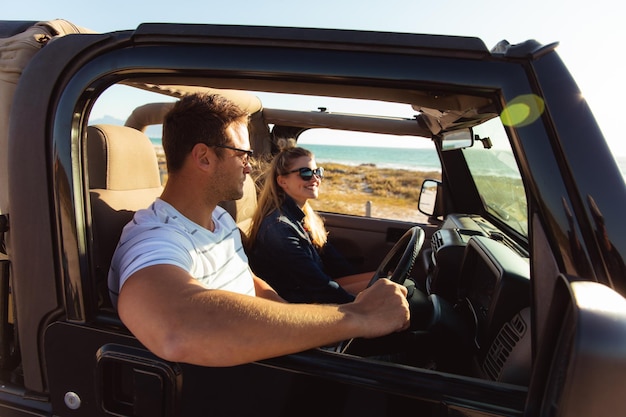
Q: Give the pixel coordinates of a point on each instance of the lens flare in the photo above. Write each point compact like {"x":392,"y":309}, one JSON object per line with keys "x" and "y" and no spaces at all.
{"x":522,"y":110}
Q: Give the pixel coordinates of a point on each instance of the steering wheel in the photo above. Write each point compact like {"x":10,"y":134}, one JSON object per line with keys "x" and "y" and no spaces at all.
{"x":399,"y":262}
{"x":397,"y":266}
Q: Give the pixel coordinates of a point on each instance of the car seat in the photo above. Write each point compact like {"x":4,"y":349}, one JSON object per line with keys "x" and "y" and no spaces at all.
{"x":123,"y":177}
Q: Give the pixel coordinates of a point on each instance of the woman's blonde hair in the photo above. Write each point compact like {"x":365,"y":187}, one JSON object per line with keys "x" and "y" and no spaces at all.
{"x":272,"y":196}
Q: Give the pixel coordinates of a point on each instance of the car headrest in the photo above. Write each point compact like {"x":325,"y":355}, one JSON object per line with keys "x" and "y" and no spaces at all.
{"x":120,"y":159}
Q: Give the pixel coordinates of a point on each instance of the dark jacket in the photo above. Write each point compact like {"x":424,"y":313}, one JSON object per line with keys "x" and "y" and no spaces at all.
{"x":284,"y":256}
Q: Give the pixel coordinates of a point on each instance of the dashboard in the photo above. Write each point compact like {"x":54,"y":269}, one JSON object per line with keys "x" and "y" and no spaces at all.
{"x":487,"y":281}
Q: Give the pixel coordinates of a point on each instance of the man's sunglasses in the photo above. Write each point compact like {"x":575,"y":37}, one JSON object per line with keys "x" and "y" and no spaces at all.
{"x":246,"y":153}
{"x":307,"y":173}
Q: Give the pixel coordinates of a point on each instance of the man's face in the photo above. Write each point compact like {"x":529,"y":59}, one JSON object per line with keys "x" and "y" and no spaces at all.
{"x":234,"y":165}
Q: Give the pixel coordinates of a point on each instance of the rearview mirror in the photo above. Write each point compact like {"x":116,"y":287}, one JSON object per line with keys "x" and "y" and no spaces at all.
{"x":457,"y":139}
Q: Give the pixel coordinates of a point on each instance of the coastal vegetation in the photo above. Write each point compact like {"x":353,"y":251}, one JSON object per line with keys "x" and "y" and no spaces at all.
{"x":388,"y":193}
{"x":393,"y":193}
{"x":361,"y":190}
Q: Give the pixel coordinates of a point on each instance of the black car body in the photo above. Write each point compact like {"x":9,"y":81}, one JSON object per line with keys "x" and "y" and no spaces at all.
{"x":522,"y":309}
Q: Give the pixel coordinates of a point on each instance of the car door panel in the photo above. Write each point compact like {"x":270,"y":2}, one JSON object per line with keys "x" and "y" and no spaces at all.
{"x":129,"y":380}
{"x":365,"y":240}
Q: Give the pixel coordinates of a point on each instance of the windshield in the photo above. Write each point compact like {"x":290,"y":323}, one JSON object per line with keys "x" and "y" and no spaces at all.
{"x":497,"y":176}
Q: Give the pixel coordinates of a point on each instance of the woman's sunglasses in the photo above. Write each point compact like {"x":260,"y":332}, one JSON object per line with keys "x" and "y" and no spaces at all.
{"x":307,"y":173}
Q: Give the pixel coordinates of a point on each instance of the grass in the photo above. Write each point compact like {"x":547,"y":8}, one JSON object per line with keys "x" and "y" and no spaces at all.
{"x":391,"y":193}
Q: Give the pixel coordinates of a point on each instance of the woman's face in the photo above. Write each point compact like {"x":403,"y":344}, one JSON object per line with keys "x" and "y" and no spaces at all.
{"x":297,"y":188}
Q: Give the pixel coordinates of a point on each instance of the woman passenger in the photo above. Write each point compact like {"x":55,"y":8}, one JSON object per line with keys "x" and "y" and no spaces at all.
{"x":287,"y":240}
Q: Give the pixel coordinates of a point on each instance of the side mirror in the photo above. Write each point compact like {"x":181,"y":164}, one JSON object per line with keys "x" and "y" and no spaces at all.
{"x":429,"y":199}
{"x":579,"y":362}
{"x":457,"y":139}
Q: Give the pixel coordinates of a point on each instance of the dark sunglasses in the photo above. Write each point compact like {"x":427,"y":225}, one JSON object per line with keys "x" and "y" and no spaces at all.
{"x":307,"y":173}
{"x":246,"y":153}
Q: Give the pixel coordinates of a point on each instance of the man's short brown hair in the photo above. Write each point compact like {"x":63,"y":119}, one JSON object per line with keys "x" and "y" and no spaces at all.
{"x":198,"y":118}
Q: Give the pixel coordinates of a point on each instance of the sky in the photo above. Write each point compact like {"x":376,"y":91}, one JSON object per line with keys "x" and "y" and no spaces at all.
{"x":591,"y":35}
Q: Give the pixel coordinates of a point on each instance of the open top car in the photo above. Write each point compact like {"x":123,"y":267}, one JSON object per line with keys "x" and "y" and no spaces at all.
{"x":476,"y":177}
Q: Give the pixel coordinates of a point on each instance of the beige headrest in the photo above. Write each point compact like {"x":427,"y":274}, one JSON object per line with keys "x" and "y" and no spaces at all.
{"x":121,"y":158}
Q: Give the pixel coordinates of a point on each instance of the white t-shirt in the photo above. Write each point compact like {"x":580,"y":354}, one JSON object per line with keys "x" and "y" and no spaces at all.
{"x":162,"y":235}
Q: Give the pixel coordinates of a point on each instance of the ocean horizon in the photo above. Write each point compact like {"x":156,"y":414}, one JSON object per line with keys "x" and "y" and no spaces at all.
{"x":413,"y":159}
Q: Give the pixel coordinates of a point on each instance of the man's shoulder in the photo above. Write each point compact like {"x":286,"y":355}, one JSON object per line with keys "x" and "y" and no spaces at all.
{"x":159,"y":218}
{"x":223,"y":216}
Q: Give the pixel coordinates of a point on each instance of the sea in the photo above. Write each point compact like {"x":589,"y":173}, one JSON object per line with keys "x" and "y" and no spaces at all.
{"x":414,"y":159}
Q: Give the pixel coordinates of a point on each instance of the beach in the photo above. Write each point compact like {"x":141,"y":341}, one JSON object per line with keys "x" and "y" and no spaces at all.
{"x":360,"y":190}
{"x":382,"y":192}
{"x":384,"y":188}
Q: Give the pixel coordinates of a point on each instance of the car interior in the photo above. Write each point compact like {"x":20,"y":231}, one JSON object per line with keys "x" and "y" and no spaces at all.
{"x":468,"y":277}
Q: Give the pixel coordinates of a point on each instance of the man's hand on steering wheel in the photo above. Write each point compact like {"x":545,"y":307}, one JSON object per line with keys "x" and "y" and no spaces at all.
{"x":397,"y":266}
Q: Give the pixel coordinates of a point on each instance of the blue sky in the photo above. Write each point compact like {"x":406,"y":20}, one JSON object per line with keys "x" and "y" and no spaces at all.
{"x":591,"y":35}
